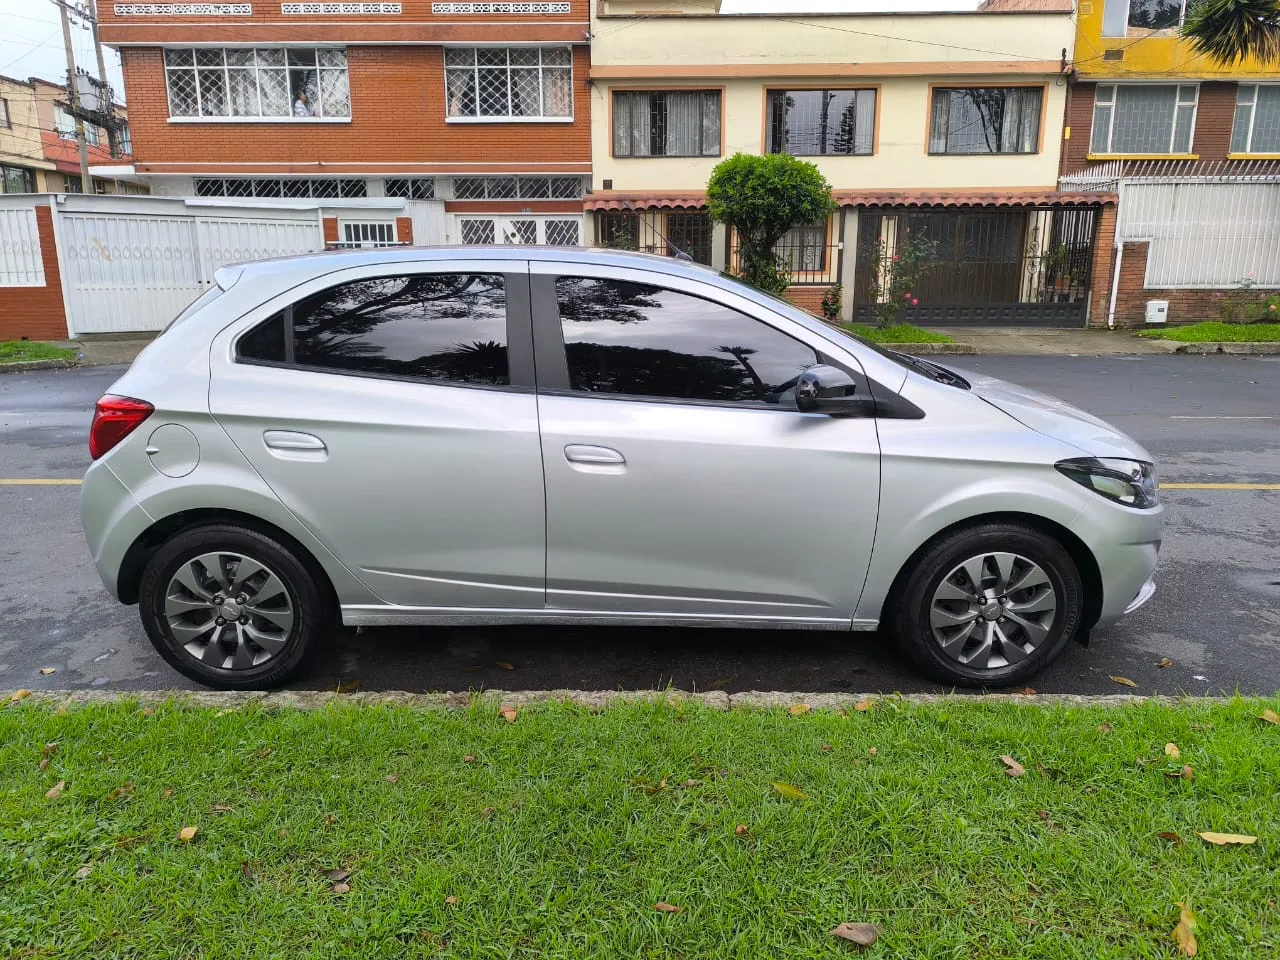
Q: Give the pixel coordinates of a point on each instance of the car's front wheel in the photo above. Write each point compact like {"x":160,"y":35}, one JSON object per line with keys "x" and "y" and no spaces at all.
{"x":230,"y":607}
{"x":989,"y":605}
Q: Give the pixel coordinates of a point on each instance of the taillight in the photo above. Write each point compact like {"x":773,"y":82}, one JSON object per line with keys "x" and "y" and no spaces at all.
{"x":114,"y":419}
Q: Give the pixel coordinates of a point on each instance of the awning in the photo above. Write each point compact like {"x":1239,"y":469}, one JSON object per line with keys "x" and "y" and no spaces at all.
{"x":970,"y":198}
{"x":663,"y":200}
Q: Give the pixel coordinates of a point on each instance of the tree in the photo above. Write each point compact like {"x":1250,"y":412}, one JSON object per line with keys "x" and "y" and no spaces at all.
{"x":761,"y":198}
{"x":1228,"y":31}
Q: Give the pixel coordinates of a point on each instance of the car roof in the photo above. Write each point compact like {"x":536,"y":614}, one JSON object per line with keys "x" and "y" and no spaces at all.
{"x":333,"y":260}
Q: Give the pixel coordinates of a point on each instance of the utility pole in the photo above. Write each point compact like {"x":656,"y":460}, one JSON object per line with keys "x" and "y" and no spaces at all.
{"x":73,"y":96}
{"x":108,"y":107}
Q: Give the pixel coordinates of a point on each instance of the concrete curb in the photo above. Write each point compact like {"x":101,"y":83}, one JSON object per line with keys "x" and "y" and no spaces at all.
{"x":930,"y":349}
{"x":22,"y":366}
{"x":594,"y":699}
{"x":1260,"y":348}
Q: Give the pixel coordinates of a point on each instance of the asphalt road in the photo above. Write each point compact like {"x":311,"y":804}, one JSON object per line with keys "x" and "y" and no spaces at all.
{"x":1217,"y":613}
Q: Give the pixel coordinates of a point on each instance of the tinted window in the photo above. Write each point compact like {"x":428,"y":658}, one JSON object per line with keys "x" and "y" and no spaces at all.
{"x":265,"y":341}
{"x":638,"y":340}
{"x":433,"y":326}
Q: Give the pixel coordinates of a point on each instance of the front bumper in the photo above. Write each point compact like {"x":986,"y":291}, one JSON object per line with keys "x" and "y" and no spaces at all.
{"x":1126,"y":545}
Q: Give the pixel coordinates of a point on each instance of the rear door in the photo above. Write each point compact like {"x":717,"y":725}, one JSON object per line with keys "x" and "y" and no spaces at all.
{"x":392,"y":410}
{"x":682,"y":482}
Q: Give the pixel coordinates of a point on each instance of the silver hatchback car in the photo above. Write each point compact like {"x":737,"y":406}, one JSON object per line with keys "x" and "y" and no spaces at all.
{"x":539,"y":435}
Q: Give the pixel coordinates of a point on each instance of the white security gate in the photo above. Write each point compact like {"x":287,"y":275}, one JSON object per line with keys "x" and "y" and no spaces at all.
{"x":128,"y":273}
{"x":557,"y":231}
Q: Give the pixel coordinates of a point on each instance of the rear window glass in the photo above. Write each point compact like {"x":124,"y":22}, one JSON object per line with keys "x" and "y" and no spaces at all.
{"x":194,"y":307}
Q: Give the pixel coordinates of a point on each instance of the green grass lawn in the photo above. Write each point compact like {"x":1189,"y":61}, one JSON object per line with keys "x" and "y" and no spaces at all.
{"x":900,"y":333}
{"x":559,"y":832}
{"x":11,"y":351}
{"x":1213,"y":332}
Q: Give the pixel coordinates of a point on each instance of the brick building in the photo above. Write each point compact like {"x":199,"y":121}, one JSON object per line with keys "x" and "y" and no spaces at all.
{"x":481,"y":106}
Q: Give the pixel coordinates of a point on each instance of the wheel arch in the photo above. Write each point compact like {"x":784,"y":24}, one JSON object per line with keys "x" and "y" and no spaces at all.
{"x":1081,"y":556}
{"x":149,"y":541}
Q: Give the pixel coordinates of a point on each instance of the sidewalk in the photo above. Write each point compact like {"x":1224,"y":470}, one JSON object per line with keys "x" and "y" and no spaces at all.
{"x":1038,"y":340}
{"x":98,"y":351}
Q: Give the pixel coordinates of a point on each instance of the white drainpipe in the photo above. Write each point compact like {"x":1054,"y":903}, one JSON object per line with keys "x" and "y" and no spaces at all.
{"x":1115,"y":286}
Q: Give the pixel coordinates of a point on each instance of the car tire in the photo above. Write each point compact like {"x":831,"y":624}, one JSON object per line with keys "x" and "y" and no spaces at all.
{"x":232,"y":608}
{"x":1027,"y":603}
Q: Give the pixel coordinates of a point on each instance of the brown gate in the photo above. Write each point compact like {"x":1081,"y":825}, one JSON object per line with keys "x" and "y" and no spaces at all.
{"x":1028,"y":266}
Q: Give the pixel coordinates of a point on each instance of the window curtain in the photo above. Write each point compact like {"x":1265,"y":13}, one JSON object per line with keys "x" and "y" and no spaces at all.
{"x":1020,"y":128}
{"x":631,"y":124}
{"x":683,"y":125}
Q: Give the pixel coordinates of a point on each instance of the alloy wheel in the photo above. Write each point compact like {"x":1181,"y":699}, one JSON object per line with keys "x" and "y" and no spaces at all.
{"x":228,"y":610}
{"x":993,"y":610}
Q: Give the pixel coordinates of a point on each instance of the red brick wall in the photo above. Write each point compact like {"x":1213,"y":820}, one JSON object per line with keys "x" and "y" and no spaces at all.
{"x":1103,"y":261}
{"x":1185,"y":306}
{"x":36,"y":313}
{"x":397,"y":116}
{"x":807,"y":298}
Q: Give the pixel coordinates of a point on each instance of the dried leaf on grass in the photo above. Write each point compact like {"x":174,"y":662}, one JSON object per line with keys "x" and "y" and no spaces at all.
{"x":19,"y":695}
{"x":84,"y":871}
{"x":168,"y":792}
{"x":336,"y":875}
{"x":1270,"y":716}
{"x":121,"y":791}
{"x":662,"y":907}
{"x":148,"y":711}
{"x":1171,"y":751}
{"x":1012,"y":767}
{"x":341,"y":888}
{"x":392,"y":778}
{"x":1105,"y":728}
{"x":863,"y":934}
{"x":1226,"y":839}
{"x":1123,"y":681}
{"x":62,"y":707}
{"x":827,"y":748}
{"x":787,"y":790}
{"x":799,"y":709}
{"x":54,"y":792}
{"x":862,"y":706}
{"x":741,"y":830}
{"x":468,"y":759}
{"x":509,"y":714}
{"x":222,"y":808}
{"x":1184,"y":934}
{"x":46,"y":754}
{"x":450,"y":901}
{"x":1169,"y":836}
{"x":187,"y":834}
{"x":1185,"y":773}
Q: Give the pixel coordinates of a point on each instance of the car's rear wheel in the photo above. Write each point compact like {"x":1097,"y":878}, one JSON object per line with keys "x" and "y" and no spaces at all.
{"x":989,"y":605}
{"x":230,"y":607}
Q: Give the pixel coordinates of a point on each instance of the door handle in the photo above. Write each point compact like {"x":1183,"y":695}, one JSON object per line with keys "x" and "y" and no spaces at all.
{"x":293,"y":445}
{"x":594,"y":456}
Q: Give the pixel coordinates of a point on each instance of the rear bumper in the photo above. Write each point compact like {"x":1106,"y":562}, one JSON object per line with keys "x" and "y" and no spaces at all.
{"x":112,"y":521}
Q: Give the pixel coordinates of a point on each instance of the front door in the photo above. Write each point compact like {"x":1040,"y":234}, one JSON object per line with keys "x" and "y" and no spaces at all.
{"x":393,"y":413}
{"x":680,"y":477}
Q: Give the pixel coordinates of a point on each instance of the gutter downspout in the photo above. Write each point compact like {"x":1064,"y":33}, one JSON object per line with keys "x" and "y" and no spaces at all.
{"x":1115,"y":286}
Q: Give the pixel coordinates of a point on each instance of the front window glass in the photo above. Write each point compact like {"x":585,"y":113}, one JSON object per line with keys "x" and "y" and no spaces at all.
{"x":507,"y":83}
{"x":812,"y":123}
{"x":666,"y":123}
{"x":1257,"y":119}
{"x":1143,"y":118}
{"x":299,"y":82}
{"x":978,"y":120}
{"x":637,"y":340}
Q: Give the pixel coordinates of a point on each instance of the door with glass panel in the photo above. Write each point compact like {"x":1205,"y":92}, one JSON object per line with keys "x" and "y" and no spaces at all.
{"x":517,"y":230}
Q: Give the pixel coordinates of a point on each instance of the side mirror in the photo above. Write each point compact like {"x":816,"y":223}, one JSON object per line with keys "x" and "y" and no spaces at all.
{"x":827,"y":389}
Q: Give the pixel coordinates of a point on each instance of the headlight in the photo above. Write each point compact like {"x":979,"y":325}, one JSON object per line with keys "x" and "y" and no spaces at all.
{"x":1130,"y":482}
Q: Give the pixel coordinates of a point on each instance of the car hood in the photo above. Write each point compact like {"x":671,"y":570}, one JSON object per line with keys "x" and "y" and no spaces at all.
{"x":1056,"y":418}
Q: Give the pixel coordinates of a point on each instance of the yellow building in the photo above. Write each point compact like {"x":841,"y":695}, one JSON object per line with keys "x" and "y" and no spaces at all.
{"x":23,"y":168}
{"x":942,"y":124}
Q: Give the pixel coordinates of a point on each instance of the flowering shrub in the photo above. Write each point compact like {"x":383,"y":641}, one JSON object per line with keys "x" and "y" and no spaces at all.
{"x":897,"y":276}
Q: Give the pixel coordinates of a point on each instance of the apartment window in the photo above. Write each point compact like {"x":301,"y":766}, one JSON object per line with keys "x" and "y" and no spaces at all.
{"x":1143,"y":118}
{"x":377,"y":234}
{"x":666,"y":123}
{"x":1257,"y":122}
{"x":410,"y":188}
{"x":65,"y":125}
{"x":4,"y":114}
{"x":517,"y":188}
{"x":985,"y":120}
{"x":814,"y":123}
{"x":1119,"y":16}
{"x":17,"y":180}
{"x":501,"y":83}
{"x":125,"y":140}
{"x":301,"y":83}
{"x":310,"y":187}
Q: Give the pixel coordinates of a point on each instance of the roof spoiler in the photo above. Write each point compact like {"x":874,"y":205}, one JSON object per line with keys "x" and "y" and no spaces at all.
{"x":227,"y":277}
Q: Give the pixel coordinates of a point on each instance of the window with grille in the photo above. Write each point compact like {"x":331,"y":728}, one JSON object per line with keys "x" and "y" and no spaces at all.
{"x":983,"y":120}
{"x":308,"y":187}
{"x":125,"y":140}
{"x":562,"y":233}
{"x":618,"y":231}
{"x":1256,"y":128}
{"x":517,"y":188}
{"x":17,"y":180}
{"x":301,"y":83}
{"x":65,"y":124}
{"x":4,"y":114}
{"x":666,"y":123}
{"x":368,"y":234}
{"x":1143,"y":118}
{"x":814,"y":123}
{"x":410,"y":188}
{"x":516,"y":83}
{"x":1136,"y":17}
